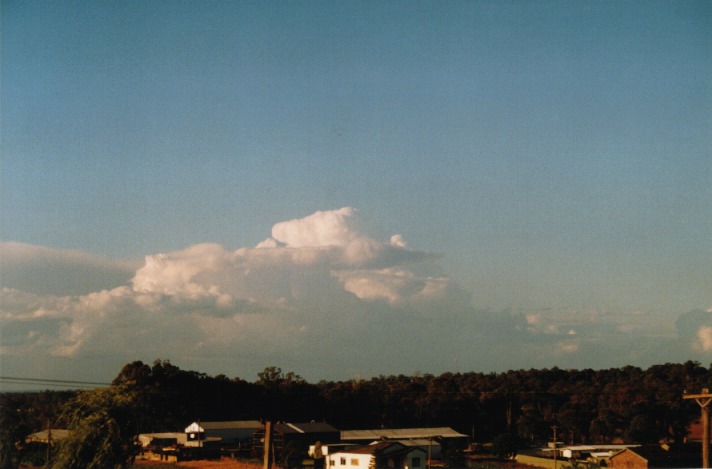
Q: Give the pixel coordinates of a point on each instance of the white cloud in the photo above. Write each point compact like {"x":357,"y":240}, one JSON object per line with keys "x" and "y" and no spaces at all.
{"x":704,"y":335}
{"x":308,"y":278}
{"x":321,"y":292}
{"x":323,"y":228}
{"x":568,"y":347}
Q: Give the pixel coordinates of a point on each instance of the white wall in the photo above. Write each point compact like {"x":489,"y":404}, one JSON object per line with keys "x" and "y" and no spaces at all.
{"x":348,"y":461}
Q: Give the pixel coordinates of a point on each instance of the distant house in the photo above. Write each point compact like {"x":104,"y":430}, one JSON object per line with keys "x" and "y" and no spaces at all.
{"x":434,"y":440}
{"x":380,"y":455}
{"x":230,"y":433}
{"x":51,"y":436}
{"x":300,"y":435}
{"x":162,"y":440}
{"x":599,"y":455}
{"x":663,"y":456}
{"x":592,"y":453}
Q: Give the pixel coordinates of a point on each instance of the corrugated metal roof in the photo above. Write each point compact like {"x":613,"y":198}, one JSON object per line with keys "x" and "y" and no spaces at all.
{"x":400,"y":433}
{"x":310,"y":427}
{"x":228,"y":425}
{"x":44,"y":435}
{"x":371,"y":449}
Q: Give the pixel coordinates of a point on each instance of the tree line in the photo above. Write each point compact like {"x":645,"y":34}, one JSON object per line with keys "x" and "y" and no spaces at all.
{"x":627,"y":404}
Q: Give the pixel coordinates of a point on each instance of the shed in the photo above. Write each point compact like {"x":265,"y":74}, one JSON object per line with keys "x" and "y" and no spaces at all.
{"x":162,"y":439}
{"x":366,"y":436}
{"x":300,"y":434}
{"x":233,"y":433}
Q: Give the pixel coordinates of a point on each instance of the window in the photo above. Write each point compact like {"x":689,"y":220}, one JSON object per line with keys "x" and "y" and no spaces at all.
{"x":331,"y":462}
{"x":354,"y":461}
{"x":343,"y":461}
{"x":416,"y":462}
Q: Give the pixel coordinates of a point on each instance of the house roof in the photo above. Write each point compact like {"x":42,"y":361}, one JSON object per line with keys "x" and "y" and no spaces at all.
{"x":373,"y":448}
{"x":43,"y":436}
{"x":422,"y":442}
{"x":400,"y":433}
{"x":234,"y":424}
{"x":310,"y":427}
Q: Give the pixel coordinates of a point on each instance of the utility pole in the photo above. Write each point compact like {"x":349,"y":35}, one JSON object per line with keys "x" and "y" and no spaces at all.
{"x":430,"y":449}
{"x":267,"y":458}
{"x":200,"y":437}
{"x":703,"y":399}
{"x":554,"y":428}
{"x":49,"y":443}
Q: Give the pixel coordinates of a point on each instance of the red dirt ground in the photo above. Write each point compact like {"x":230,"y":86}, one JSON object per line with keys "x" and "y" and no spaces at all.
{"x":221,"y":464}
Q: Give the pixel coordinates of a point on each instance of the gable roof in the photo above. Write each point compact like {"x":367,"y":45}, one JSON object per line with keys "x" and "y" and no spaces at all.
{"x":373,"y":448}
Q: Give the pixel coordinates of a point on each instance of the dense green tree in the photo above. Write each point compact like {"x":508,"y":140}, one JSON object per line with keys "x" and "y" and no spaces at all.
{"x":102,"y":430}
{"x":506,"y":445}
{"x":10,"y":432}
{"x":588,"y":405}
{"x":642,"y":429}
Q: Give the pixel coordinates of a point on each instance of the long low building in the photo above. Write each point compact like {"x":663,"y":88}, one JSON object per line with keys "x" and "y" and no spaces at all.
{"x":225,"y":433}
{"x":367,"y":436}
{"x":162,"y":439}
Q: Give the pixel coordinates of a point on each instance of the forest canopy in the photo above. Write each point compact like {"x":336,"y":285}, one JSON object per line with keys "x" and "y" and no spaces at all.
{"x":626,"y":404}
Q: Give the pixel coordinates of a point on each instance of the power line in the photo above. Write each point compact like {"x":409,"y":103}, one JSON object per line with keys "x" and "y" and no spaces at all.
{"x":51,"y":382}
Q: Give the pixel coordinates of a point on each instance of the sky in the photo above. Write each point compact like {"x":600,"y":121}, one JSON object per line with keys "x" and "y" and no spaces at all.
{"x":349,"y":189}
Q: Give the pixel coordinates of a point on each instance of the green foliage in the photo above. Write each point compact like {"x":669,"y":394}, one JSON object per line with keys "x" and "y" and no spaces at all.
{"x":101,"y":424}
{"x":506,"y":445}
{"x":22,"y":414}
{"x":292,"y":455}
{"x":642,"y":429}
{"x":10,"y":432}
{"x":585,"y":405}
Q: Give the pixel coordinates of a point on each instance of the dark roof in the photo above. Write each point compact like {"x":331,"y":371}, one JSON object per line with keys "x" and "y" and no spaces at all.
{"x":372,"y":448}
{"x":230,"y":424}
{"x":311,"y":427}
{"x":388,"y":448}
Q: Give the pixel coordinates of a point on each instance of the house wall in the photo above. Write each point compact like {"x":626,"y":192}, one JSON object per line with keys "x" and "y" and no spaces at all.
{"x":416,"y":460}
{"x":348,"y":461}
{"x":628,"y":460}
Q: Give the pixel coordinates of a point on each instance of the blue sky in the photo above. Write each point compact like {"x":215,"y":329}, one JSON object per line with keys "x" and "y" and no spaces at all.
{"x":552,"y":159}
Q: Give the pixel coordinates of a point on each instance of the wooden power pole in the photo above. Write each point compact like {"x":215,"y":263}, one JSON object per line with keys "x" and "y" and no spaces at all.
{"x":704,"y":399}
{"x":554,"y":428}
{"x":267,"y":461}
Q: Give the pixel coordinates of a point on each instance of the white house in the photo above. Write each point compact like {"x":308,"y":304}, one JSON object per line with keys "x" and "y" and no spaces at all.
{"x":380,"y":455}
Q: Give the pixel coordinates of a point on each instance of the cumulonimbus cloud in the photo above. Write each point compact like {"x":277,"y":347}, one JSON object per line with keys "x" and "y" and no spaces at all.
{"x":322,"y":291}
{"x":314,"y":269}
{"x":695,"y":330}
